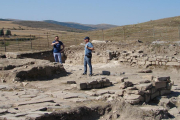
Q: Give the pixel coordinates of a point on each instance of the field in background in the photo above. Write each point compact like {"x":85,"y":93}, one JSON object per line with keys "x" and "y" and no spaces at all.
{"x":27,"y":38}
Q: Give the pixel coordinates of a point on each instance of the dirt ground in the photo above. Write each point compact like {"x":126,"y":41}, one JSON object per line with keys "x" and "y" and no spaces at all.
{"x":16,"y":98}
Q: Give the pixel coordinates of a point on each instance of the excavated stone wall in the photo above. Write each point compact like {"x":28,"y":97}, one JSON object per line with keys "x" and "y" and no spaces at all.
{"x":29,"y":69}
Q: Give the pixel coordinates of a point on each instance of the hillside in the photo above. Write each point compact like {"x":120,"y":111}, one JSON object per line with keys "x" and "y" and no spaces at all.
{"x":45,"y":25}
{"x":88,"y":27}
{"x":165,"y":30}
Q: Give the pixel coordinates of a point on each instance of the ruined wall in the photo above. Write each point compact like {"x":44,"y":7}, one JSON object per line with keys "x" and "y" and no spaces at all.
{"x":136,"y":54}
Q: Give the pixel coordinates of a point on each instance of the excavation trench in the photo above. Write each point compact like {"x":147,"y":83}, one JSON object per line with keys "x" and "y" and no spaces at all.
{"x":117,"y":109}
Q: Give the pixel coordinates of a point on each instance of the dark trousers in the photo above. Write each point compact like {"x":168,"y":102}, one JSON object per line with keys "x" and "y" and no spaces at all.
{"x":87,"y":61}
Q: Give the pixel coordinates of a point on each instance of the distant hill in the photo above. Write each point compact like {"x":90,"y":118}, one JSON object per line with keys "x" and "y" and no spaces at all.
{"x":4,"y":19}
{"x":45,"y":25}
{"x":88,"y":27}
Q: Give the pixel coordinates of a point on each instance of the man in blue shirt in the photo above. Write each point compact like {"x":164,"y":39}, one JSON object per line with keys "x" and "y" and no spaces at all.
{"x":88,"y":55}
{"x":57,"y":49}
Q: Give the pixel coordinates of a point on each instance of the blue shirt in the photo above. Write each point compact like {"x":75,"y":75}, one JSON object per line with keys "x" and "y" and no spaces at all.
{"x":57,"y":47}
{"x":87,"y":50}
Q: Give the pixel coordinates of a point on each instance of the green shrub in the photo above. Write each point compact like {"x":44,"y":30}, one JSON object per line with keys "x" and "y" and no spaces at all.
{"x":8,"y":32}
{"x":1,"y":32}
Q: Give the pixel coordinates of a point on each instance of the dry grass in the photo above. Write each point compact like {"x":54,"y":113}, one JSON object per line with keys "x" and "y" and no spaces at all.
{"x":162,"y":30}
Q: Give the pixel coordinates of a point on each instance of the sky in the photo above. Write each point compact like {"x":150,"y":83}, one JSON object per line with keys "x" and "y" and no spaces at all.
{"x":116,"y":12}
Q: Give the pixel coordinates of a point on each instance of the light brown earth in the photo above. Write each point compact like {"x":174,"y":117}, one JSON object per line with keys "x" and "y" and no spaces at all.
{"x":52,"y":98}
{"x":16,"y":96}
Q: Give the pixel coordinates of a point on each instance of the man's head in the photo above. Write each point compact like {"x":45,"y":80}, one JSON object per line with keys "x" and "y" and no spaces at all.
{"x":86,"y":39}
{"x":56,"y":38}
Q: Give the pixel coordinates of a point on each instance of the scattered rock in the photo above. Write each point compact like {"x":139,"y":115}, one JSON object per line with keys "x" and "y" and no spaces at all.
{"x":71,"y":82}
{"x":145,"y":71}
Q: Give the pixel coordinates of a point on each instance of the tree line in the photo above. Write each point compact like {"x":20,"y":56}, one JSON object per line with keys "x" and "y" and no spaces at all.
{"x":8,"y":32}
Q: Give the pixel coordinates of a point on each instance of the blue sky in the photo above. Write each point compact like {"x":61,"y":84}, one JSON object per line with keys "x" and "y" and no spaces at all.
{"x":117,"y":12}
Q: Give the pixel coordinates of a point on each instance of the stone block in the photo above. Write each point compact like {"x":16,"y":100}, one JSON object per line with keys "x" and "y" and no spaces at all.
{"x":165,"y":102}
{"x":107,"y":84}
{"x":163,"y":63}
{"x":154,"y":94}
{"x":136,"y":92}
{"x":119,"y":92}
{"x":172,"y":63}
{"x":148,"y":63}
{"x":122,"y":86}
{"x":96,"y":86}
{"x":120,"y":79}
{"x":141,"y":63}
{"x":169,"y":86}
{"x":122,"y":60}
{"x":157,"y":63}
{"x":144,"y":81}
{"x":105,"y":72}
{"x":165,"y":92}
{"x":13,"y":55}
{"x":140,"y":51}
{"x":164,"y":78}
{"x":125,"y":85}
{"x":147,"y":98}
{"x":131,"y":88}
{"x":133,"y":99}
{"x":153,"y":89}
{"x":133,"y":102}
{"x":89,"y":86}
{"x":145,"y":71}
{"x":134,"y":61}
{"x":152,"y":59}
{"x":71,"y":82}
{"x":174,"y":111}
{"x":82,"y":86}
{"x":144,"y":87}
{"x":158,"y":85}
{"x":111,"y":91}
{"x":93,"y":82}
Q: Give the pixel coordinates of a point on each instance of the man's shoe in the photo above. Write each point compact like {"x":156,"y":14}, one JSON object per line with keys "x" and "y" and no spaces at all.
{"x":90,"y":75}
{"x":84,"y":74}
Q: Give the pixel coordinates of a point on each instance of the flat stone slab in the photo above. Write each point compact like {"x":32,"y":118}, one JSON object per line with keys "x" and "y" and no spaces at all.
{"x":27,"y":96}
{"x":2,"y":111}
{"x":153,"y":108}
{"x":174,"y":111}
{"x":67,"y":95}
{"x":173,"y":64}
{"x":145,"y":71}
{"x":101,"y":92}
{"x":33,"y":102}
{"x":132,"y":97}
{"x":119,"y":92}
{"x":90,"y":93}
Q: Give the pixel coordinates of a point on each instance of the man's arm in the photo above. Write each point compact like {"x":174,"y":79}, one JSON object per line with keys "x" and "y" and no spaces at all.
{"x":63,"y":48}
{"x":54,"y":43}
{"x":90,"y":48}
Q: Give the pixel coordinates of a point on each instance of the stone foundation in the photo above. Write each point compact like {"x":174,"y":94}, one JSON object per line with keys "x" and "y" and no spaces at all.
{"x":29,"y":69}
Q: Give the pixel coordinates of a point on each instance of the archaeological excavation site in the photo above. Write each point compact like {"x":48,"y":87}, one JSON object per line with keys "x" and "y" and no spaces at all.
{"x":131,"y":81}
